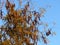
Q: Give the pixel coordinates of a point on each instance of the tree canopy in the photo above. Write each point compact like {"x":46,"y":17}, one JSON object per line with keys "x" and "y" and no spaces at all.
{"x":21,"y":26}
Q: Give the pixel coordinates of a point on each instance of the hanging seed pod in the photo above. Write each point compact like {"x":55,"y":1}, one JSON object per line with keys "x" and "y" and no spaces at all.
{"x":34,"y":12}
{"x":7,"y":4}
{"x":43,"y":37}
{"x":26,"y":7}
{"x":1,"y":14}
{"x":48,"y":33}
{"x":45,"y":41}
{"x":35,"y":21}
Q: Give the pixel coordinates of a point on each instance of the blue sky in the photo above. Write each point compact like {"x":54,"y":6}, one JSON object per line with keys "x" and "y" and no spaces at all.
{"x":52,"y":15}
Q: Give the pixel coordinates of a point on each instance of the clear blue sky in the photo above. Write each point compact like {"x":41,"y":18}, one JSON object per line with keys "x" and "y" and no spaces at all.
{"x":52,"y":15}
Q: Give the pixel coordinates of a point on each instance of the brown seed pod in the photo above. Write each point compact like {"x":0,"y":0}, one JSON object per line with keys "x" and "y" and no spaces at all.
{"x":48,"y":33}
{"x":1,"y":14}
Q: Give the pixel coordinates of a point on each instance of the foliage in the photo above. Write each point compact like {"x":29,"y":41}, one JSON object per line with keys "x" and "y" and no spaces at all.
{"x":20,"y":27}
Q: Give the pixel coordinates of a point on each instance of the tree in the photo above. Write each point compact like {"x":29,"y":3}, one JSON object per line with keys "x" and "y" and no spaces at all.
{"x":20,"y":28}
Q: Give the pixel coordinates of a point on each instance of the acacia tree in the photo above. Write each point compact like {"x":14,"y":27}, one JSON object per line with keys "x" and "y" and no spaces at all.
{"x":20,"y":28}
